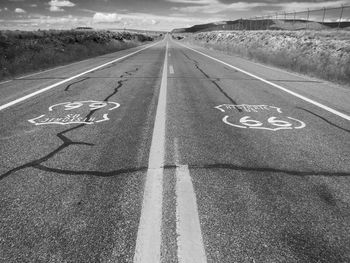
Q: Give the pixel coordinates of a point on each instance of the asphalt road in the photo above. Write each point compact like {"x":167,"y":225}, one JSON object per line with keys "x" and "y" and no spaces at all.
{"x":172,"y":155}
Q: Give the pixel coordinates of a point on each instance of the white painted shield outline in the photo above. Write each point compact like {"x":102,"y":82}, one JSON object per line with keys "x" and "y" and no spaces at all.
{"x":105,"y":116}
{"x":86,"y":101}
{"x":229,"y":106}
{"x":302,"y":125}
{"x":60,"y":123}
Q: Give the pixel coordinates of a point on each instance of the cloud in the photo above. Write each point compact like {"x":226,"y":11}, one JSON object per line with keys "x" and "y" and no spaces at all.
{"x":130,"y":21}
{"x":56,"y":9}
{"x":56,"y":5}
{"x":301,"y":6}
{"x":231,"y":7}
{"x":126,"y":19}
{"x":20,"y":11}
{"x":214,"y":6}
{"x":193,"y":2}
{"x":105,"y":18}
{"x":144,"y":21}
{"x":343,"y":20}
{"x":33,"y":5}
{"x":41,"y":21}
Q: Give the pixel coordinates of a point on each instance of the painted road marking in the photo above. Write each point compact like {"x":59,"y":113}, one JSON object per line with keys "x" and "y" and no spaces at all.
{"x":254,"y":124}
{"x":268,"y":122}
{"x":7,"y":81}
{"x":189,"y":240}
{"x":78,"y":113}
{"x":247,"y":108}
{"x":149,"y":232}
{"x":189,"y":236}
{"x":171,"y":69}
{"x":2,"y":107}
{"x":338,"y":113}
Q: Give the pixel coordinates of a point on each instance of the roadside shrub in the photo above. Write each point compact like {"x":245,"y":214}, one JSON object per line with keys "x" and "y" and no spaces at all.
{"x":23,"y":52}
{"x":321,"y":54}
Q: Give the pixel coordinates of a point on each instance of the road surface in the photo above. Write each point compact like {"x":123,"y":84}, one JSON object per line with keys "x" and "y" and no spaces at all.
{"x":171,"y":153}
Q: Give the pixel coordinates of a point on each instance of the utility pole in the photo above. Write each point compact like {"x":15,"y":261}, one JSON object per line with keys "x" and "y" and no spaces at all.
{"x":324,"y":14}
{"x":341,"y":16}
{"x":294,"y":19}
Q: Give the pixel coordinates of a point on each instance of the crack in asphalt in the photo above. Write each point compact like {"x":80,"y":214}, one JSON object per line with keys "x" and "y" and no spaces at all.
{"x":61,"y":135}
{"x":121,"y":83}
{"x":214,"y":81}
{"x":73,"y":83}
{"x":66,"y":143}
{"x":268,"y":170}
{"x":93,"y":173}
{"x":332,"y":124}
{"x":226,"y":166}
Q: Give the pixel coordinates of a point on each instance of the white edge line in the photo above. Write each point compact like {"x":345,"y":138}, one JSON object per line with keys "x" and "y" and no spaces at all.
{"x":9,"y":104}
{"x":148,"y":242}
{"x":338,"y":113}
{"x":7,"y":81}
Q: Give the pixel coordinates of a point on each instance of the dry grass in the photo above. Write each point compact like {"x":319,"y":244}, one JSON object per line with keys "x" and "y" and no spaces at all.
{"x":24,"y":52}
{"x":321,"y":54}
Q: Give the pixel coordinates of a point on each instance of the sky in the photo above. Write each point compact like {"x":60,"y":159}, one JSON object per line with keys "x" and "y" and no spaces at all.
{"x":141,"y":14}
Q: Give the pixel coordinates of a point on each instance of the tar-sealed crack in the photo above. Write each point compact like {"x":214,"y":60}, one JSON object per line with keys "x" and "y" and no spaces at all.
{"x":332,"y":124}
{"x":76,"y":82}
{"x":226,"y":166}
{"x":214,"y":81}
{"x":213,"y":166}
{"x":66,"y":142}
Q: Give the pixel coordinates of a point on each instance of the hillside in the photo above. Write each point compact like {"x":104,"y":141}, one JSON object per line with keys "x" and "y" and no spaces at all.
{"x":271,"y":24}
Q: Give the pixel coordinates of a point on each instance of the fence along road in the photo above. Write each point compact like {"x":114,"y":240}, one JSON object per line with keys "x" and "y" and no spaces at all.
{"x":318,"y":19}
{"x":244,"y":171}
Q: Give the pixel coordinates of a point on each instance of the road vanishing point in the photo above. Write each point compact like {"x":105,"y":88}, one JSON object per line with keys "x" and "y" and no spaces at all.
{"x":170,"y":152}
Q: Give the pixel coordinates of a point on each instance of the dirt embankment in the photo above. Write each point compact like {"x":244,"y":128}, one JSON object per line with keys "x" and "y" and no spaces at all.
{"x":322,"y":54}
{"x":24,"y":52}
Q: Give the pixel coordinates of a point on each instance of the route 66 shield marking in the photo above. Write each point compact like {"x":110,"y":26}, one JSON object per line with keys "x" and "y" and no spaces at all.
{"x":78,"y":112}
{"x":265,"y":118}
